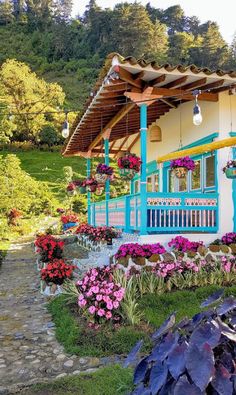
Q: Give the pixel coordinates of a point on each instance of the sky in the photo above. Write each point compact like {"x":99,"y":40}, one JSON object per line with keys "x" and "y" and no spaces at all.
{"x":222,"y":12}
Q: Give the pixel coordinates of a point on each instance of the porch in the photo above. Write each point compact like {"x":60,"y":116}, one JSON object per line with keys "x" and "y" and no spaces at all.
{"x":163,"y":213}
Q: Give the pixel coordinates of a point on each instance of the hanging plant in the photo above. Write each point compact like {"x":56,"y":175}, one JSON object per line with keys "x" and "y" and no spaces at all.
{"x":230,"y":169}
{"x":103,"y":173}
{"x":71,"y":189}
{"x":99,"y":190}
{"x":182,"y":165}
{"x":129,"y":165}
{"x":91,"y":184}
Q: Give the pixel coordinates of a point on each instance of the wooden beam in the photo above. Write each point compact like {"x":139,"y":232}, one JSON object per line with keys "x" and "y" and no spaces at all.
{"x":229,"y":142}
{"x":194,"y":85}
{"x":162,"y":92}
{"x":212,"y":85}
{"x":123,"y":111}
{"x":157,"y":80}
{"x":134,"y":142}
{"x":138,"y":76}
{"x":176,"y":82}
{"x":128,"y":77}
{"x":169,"y":103}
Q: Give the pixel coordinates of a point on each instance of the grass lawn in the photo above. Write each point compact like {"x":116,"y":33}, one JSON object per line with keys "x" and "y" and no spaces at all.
{"x":107,"y":381}
{"x":79,"y":339}
{"x":48,"y":166}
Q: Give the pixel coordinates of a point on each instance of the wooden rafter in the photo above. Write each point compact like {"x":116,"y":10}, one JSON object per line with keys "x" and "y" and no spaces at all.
{"x":176,"y":82}
{"x":123,"y":111}
{"x":162,"y":92}
{"x":194,"y":85}
{"x":212,"y":85}
{"x":157,"y":80}
{"x":134,"y":142}
{"x":128,"y":77}
{"x":122,"y":144}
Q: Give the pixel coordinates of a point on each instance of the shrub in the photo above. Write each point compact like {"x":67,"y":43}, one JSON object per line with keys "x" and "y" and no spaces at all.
{"x":136,"y":250}
{"x":182,"y":244}
{"x":195,"y":356}
{"x":57,"y":271}
{"x":49,"y":247}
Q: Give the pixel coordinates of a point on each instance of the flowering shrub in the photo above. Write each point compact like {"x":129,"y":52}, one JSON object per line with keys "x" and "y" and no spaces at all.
{"x":229,"y":165}
{"x":57,"y":271}
{"x":100,"y":296}
{"x":136,"y":250}
{"x":130,"y":161}
{"x":98,"y":233}
{"x":182,"y":244}
{"x":49,"y":247}
{"x":229,"y":238}
{"x":69,"y":217}
{"x":104,"y":169}
{"x":186,"y":162}
{"x":13,"y":216}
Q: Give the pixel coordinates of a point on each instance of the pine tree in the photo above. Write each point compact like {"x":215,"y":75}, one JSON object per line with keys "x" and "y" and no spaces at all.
{"x":175,"y":19}
{"x":63,"y":9}
{"x":214,"y":52}
{"x":159,"y":42}
{"x":180,"y":44}
{"x":18,"y":9}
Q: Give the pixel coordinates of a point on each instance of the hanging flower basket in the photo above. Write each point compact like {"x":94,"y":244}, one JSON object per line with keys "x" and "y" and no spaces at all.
{"x":91,"y":184}
{"x":127,"y":174}
{"x":230,"y":169}
{"x":101,"y":178}
{"x":99,"y":190}
{"x":181,"y":166}
{"x":71,"y":189}
{"x":129,"y":165}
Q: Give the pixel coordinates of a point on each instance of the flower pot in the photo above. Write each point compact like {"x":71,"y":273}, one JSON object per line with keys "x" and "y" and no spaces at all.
{"x":101,"y":178}
{"x":230,"y":172}
{"x":140,"y":260}
{"x":91,"y":188}
{"x":214,"y":248}
{"x":99,"y":191}
{"x":40,"y":264}
{"x":127,"y":174}
{"x":69,"y":225}
{"x":154,"y":258}
{"x":50,"y":289}
{"x":82,"y":190}
{"x":180,"y":172}
{"x":233,"y":248}
{"x":124,"y":261}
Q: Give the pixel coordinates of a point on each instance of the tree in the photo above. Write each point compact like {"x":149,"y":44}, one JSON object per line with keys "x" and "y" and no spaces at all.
{"x":175,"y":19}
{"x":159,"y":42}
{"x":6,"y":12}
{"x":132,"y":31}
{"x":48,"y":135}
{"x":180,"y":44}
{"x":214,"y":50}
{"x":63,"y":9}
{"x":29,"y":97}
{"x":19,"y":9}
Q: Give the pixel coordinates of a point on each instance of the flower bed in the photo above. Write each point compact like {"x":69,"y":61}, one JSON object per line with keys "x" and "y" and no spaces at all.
{"x":182,"y":244}
{"x":100,"y":296}
{"x":139,"y":253}
{"x":100,"y":233}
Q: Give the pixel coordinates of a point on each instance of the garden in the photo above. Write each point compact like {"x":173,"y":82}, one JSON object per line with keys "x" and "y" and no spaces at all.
{"x":106,"y":310}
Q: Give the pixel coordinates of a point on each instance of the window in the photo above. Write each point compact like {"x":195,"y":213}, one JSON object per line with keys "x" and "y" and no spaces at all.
{"x":210,"y":171}
{"x":149,"y":184}
{"x":153,"y":183}
{"x":156,"y":182}
{"x":196,"y":176}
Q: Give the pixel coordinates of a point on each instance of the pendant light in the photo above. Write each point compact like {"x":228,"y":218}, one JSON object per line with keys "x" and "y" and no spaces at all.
{"x":197,"y":116}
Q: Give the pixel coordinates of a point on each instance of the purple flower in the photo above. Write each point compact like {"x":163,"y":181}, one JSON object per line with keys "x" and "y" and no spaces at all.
{"x":186,"y":162}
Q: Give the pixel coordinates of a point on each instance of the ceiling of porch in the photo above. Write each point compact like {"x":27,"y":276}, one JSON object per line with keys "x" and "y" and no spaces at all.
{"x":109,"y":107}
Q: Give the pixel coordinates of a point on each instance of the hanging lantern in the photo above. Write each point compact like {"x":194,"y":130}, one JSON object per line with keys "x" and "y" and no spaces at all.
{"x":155,"y":133}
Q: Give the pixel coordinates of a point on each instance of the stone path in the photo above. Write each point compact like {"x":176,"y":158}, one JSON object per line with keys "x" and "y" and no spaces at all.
{"x":29,"y":351}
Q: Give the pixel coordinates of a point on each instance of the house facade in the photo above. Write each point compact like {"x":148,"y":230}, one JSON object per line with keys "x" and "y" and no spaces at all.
{"x":129,"y":100}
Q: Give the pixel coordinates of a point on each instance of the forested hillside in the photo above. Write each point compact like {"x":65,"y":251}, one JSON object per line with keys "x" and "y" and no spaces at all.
{"x":42,"y":34}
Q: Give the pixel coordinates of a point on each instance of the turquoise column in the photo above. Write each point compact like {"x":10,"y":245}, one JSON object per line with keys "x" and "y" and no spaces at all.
{"x":89,"y":193}
{"x":107,"y":185}
{"x":143,"y":180}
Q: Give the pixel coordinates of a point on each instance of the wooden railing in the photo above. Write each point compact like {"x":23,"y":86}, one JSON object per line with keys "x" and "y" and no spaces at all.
{"x":166,"y":212}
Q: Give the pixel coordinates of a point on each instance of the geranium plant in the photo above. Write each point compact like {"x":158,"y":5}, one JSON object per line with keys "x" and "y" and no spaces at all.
{"x":229,"y":238}
{"x":69,"y":217}
{"x":136,"y":250}
{"x":195,"y":356}
{"x":49,"y":247}
{"x":91,"y":184}
{"x":100,"y":296}
{"x":130,"y":161}
{"x":57,"y":271}
{"x":183,"y":244}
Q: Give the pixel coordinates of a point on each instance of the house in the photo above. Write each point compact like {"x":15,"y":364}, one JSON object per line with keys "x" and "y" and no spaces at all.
{"x":130,"y":100}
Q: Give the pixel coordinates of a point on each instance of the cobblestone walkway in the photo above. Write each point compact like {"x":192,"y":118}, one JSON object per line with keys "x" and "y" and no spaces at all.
{"x":29,"y":351}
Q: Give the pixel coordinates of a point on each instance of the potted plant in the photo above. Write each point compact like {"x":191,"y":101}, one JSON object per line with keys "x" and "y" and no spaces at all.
{"x":53,"y":276}
{"x":129,"y":165}
{"x":230,"y":169}
{"x":80,"y":185}
{"x":91,"y":184}
{"x":71,"y":189}
{"x":99,"y":190}
{"x":48,"y":247}
{"x":182,"y":165}
{"x":69,"y":220}
{"x":103,"y":173}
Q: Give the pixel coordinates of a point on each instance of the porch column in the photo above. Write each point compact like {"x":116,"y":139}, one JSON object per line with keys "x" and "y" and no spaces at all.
{"x":107,"y":185}
{"x":143,"y":176}
{"x":88,"y":160}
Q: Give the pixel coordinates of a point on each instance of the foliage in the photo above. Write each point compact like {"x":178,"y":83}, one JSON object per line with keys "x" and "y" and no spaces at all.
{"x":100,"y":296}
{"x":49,"y":136}
{"x":57,"y":271}
{"x":49,"y":247}
{"x":21,"y":191}
{"x":196,"y":355}
{"x":106,"y":381}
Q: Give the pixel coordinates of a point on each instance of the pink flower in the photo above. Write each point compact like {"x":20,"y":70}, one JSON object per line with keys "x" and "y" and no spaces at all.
{"x":101,"y":312}
{"x":92,"y":309}
{"x":109,"y":305}
{"x":99,"y":297}
{"x":108,"y":315}
{"x":115,"y":305}
{"x":82,"y":303}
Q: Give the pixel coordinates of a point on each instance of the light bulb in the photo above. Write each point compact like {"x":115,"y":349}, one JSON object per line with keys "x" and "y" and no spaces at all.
{"x":65,"y":130}
{"x":197,"y":116}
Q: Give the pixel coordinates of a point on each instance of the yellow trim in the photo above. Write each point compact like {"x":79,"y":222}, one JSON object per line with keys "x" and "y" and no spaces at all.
{"x":201,"y":149}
